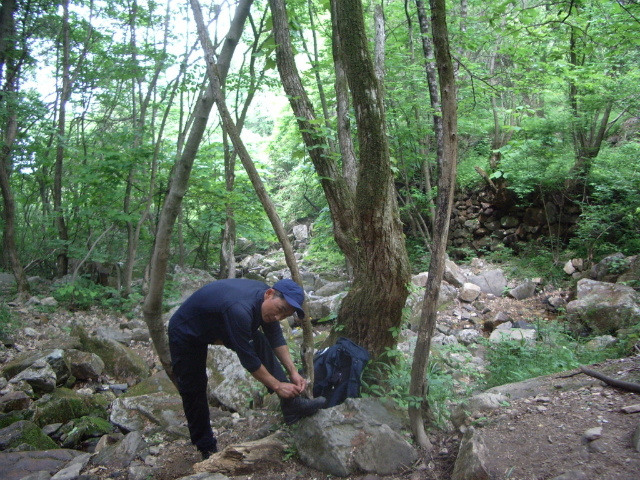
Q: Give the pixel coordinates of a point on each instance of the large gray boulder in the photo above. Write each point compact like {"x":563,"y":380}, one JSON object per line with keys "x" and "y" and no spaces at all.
{"x":361,"y":434}
{"x":39,"y":375}
{"x":148,"y":413}
{"x":604,"y":307}
{"x":229,"y":383}
{"x":119,"y":360}
{"x":491,"y":281}
{"x":24,"y":433}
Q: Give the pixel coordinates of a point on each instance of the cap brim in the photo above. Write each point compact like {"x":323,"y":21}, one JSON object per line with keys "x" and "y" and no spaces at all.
{"x":295,"y":305}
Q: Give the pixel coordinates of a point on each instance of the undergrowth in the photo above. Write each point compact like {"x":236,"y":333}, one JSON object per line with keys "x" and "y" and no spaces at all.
{"x":557,"y":349}
{"x":8,"y":322}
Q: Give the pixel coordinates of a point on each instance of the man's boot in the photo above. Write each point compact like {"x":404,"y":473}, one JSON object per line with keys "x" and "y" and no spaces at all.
{"x":293,"y":409}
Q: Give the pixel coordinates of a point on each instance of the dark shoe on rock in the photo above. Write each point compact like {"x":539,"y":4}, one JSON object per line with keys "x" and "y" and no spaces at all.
{"x":293,"y":409}
{"x":208,"y":452}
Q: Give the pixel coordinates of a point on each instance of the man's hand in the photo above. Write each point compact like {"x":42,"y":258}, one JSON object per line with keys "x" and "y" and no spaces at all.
{"x":287,"y":390}
{"x":299,"y":381}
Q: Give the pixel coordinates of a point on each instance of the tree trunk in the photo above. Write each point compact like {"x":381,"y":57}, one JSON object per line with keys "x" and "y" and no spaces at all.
{"x":152,"y":308}
{"x":252,"y":172}
{"x":366,"y":227}
{"x":63,"y":258}
{"x":447,"y":162}
{"x":9,"y":72}
{"x":349,"y":160}
{"x":434,"y":97}
{"x":227,"y":247}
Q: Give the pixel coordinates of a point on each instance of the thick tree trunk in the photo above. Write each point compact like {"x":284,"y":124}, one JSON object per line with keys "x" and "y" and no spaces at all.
{"x":8,"y":79}
{"x":373,"y":306}
{"x":152,"y":308}
{"x":446,"y":183}
{"x":366,"y":226}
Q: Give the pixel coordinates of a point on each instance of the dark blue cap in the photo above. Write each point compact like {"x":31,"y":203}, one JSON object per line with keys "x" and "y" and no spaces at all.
{"x":292,"y":293}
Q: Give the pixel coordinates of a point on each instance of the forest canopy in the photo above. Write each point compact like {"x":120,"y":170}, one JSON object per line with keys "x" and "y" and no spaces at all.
{"x":98,"y":98}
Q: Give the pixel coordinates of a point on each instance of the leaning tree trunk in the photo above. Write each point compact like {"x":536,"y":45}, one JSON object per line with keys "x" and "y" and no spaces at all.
{"x":256,"y":181}
{"x":446,"y":183}
{"x":152,"y":308}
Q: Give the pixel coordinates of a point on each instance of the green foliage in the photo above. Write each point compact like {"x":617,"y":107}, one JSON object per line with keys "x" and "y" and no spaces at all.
{"x":556,"y":350}
{"x":419,"y":256}
{"x":8,"y":322}
{"x":534,"y":259}
{"x":323,"y":250}
{"x":390,"y":377}
{"x":610,"y":219}
{"x":84,"y":294}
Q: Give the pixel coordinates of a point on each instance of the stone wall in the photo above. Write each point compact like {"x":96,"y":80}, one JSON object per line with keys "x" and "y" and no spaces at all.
{"x":485,"y":221}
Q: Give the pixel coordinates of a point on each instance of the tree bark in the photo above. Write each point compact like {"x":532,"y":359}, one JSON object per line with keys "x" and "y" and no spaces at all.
{"x":9,"y":72}
{"x":253,"y":174}
{"x":152,"y":308}
{"x":447,"y":163}
{"x":434,"y":98}
{"x":366,"y":226}
{"x":63,"y":258}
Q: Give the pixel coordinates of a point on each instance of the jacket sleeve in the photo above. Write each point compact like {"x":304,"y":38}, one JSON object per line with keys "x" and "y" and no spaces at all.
{"x":238,"y":321}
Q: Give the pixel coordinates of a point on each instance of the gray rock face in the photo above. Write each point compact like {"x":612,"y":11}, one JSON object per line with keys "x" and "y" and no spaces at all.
{"x":39,"y":375}
{"x":360,"y":434}
{"x":120,"y":454}
{"x":471,"y":462}
{"x":229,"y":382}
{"x":85,"y":365}
{"x":147,"y":412}
{"x":28,"y":465}
{"x":604,"y":307}
{"x":523,"y":291}
{"x":491,"y":281}
{"x":24,"y":432}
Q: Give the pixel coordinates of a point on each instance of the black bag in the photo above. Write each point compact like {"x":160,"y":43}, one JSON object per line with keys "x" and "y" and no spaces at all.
{"x":337,"y":371}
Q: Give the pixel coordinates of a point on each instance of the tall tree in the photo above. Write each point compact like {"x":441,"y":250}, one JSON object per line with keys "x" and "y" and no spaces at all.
{"x":152,"y":308}
{"x":447,"y":162}
{"x":366,"y":224}
{"x":13,"y":55}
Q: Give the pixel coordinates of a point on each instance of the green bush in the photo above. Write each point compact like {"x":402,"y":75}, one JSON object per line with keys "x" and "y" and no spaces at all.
{"x":8,"y":322}
{"x":323,"y":249}
{"x":610,"y":220}
{"x":556,"y":350}
{"x":390,"y":377}
{"x":84,"y":294}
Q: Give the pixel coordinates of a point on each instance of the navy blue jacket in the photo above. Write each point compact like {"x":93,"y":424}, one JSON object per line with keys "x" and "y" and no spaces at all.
{"x":227,"y":311}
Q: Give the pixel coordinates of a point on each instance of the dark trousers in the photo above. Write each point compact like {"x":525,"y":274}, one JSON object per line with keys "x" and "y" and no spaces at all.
{"x":189,"y":369}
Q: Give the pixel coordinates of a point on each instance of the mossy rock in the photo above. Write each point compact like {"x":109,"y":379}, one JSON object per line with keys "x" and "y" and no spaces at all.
{"x":22,"y":362}
{"x":84,"y":428}
{"x":157,"y":383}
{"x":25,"y":432}
{"x":7,"y":419}
{"x":63,"y":405}
{"x":119,"y":361}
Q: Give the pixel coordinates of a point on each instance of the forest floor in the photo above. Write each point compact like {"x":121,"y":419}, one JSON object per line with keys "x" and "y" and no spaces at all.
{"x":529,"y":439}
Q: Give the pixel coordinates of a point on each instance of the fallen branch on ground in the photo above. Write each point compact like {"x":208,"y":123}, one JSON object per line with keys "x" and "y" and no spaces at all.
{"x":630,"y":387}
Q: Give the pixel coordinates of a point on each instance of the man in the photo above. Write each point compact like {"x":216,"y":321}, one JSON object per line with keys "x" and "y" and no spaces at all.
{"x":230,"y":313}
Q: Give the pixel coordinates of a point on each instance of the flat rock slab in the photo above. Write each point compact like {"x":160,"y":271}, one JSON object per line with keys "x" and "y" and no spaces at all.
{"x":16,"y":465}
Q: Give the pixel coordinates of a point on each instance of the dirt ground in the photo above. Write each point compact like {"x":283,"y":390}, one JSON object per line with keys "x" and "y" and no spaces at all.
{"x":531,"y":439}
{"x":535,"y":438}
